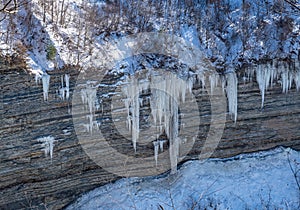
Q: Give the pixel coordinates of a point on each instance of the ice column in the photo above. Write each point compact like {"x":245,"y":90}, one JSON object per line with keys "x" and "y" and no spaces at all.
{"x":231,"y":90}
{"x":46,"y":82}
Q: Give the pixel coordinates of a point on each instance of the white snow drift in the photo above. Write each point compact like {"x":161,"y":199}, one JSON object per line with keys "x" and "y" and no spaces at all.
{"x":261,"y":180}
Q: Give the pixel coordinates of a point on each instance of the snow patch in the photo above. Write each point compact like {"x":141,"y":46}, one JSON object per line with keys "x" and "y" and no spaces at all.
{"x":241,"y":182}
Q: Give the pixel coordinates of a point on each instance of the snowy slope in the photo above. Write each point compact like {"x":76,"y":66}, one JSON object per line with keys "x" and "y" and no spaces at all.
{"x":261,"y":180}
{"x":230,"y":33}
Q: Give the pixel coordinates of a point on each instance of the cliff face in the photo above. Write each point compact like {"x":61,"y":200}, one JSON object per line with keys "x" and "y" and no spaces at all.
{"x":230,"y":33}
{"x":29,"y":178}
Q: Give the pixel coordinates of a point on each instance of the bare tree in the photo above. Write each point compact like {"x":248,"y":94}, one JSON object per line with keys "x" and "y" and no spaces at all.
{"x":10,"y":7}
{"x":293,"y":4}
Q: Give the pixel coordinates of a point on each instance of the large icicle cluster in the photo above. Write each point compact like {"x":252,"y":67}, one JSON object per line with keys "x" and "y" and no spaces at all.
{"x":46,"y":82}
{"x":89,"y":99}
{"x":64,"y":91}
{"x":132,"y":104}
{"x":229,"y":83}
{"x":167,"y":91}
{"x":48,"y":145}
{"x":267,"y":74}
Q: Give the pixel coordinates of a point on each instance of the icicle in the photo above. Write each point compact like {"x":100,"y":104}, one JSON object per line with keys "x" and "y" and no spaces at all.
{"x":166,"y":91}
{"x":174,"y":140}
{"x":67,"y":80}
{"x":156,"y":146}
{"x":90,"y":118}
{"x":62,"y":81}
{"x":297,"y":79}
{"x":161,"y":145}
{"x":48,"y":145}
{"x":191,"y":82}
{"x":46,"y":82}
{"x":213,"y":79}
{"x":267,"y":73}
{"x":132,"y":104}
{"x":231,"y":90}
{"x":141,"y":101}
{"x":263,"y":77}
{"x":250,"y":72}
{"x":64,"y":91}
{"x":286,"y":79}
{"x":37,"y":78}
{"x":201,"y":78}
{"x":89,"y":96}
{"x":165,"y":109}
{"x":273,"y":74}
{"x":223,"y":83}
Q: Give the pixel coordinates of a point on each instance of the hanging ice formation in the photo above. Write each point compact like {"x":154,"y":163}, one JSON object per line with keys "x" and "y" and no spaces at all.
{"x":132,"y":103}
{"x":231,"y":90}
{"x":38,"y":77}
{"x":158,"y":145}
{"x":167,"y":91}
{"x":263,"y":78}
{"x":286,"y":78}
{"x":266,"y":74}
{"x":48,"y":145}
{"x":214,"y":80}
{"x":64,"y":91}
{"x":297,"y":75}
{"x":89,"y":98}
{"x":46,"y":82}
{"x":229,"y":83}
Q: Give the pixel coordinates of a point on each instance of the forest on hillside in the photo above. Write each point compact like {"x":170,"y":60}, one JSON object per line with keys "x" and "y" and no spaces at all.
{"x":230,"y":33}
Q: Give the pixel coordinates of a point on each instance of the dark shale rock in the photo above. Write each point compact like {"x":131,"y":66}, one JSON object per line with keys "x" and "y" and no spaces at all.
{"x":29,"y":179}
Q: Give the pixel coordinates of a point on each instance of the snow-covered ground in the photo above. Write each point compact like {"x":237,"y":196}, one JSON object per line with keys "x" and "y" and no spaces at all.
{"x":262,"y":180}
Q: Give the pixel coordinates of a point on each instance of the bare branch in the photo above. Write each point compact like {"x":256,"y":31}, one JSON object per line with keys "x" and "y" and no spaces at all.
{"x":292,"y":4}
{"x":10,"y":10}
{"x":5,"y":6}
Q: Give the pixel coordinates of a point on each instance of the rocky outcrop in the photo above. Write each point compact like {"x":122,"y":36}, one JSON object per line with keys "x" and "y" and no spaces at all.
{"x":31,"y":179}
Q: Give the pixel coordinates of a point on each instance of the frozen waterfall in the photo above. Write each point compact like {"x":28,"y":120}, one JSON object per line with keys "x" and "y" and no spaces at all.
{"x":167,"y":91}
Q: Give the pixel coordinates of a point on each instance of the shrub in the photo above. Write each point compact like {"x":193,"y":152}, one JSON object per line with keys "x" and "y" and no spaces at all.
{"x":51,"y":52}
